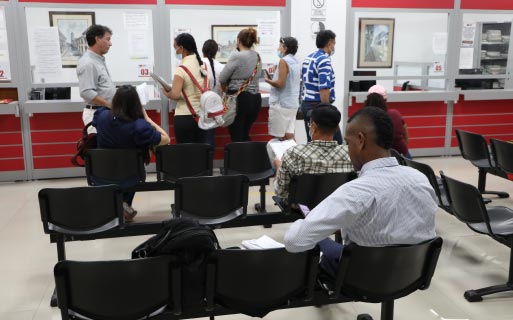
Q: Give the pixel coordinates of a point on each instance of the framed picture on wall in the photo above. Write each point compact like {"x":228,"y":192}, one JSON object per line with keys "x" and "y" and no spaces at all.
{"x":226,"y":38}
{"x":72,"y":27}
{"x":376,"y":43}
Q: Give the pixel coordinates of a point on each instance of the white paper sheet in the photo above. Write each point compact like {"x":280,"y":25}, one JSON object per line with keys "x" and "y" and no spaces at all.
{"x":466,"y":58}
{"x":134,"y":20}
{"x":279,"y":147}
{"x":48,"y":51}
{"x":264,"y":242}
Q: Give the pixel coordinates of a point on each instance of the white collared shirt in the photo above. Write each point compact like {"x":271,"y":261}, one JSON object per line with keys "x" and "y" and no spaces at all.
{"x":388,"y":204}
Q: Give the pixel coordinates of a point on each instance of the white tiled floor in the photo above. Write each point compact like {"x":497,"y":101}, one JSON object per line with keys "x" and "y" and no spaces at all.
{"x":467,"y":261}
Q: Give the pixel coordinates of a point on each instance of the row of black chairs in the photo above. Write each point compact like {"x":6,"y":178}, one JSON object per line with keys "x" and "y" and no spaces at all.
{"x":177,"y":161}
{"x":467,"y":204}
{"x":252,"y":282}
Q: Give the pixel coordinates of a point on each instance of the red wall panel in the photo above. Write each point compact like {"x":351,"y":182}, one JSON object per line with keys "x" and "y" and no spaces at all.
{"x":9,"y":123}
{"x":487,"y":5}
{"x":11,"y":151}
{"x":96,"y":1}
{"x":425,"y":121}
{"x":54,"y":149}
{"x":420,"y":4}
{"x":270,"y":3}
{"x":56,"y":136}
{"x":12,"y":165}
{"x":10,"y":138}
{"x":52,"y":162}
{"x":56,"y":121}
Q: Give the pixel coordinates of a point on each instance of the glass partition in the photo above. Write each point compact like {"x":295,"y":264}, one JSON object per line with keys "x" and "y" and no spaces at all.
{"x":5,"y":65}
{"x":408,"y":48}
{"x":485,"y":54}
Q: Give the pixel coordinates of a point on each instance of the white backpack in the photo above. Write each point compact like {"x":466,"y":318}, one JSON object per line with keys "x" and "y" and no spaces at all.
{"x":211,"y":105}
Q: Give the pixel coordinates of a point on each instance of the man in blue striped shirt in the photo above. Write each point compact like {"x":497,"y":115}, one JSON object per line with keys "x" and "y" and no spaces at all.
{"x":319,"y":78}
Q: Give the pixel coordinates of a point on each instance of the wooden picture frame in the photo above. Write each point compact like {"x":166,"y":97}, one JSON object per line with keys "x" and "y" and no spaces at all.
{"x":72,"y":40}
{"x":226,"y":38}
{"x":376,"y":42}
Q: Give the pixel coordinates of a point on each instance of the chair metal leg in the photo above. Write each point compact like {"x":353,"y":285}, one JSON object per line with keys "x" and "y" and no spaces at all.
{"x":387,"y":310}
{"x":61,"y":255}
{"x":477,"y":295}
{"x":481,"y":186}
{"x":260,"y":207}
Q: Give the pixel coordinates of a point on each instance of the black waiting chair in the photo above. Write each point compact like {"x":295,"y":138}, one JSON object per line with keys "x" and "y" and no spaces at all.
{"x":496,"y":222}
{"x":79,"y":211}
{"x":255,"y":282}
{"x":394,"y":153}
{"x":250,"y":159}
{"x":384,"y":274}
{"x":311,"y":189}
{"x":211,"y":200}
{"x":473,"y":147}
{"x":184,"y":160}
{"x":435,"y":182}
{"x":116,"y":166}
{"x":123,"y":289}
{"x":503,"y":154}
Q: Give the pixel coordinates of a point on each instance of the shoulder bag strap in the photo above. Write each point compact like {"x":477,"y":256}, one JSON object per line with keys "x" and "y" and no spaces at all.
{"x":248,"y":81}
{"x":193,"y":79}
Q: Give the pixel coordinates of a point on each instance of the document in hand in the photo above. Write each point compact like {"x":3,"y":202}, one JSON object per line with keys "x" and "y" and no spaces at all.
{"x":161,"y":81}
{"x":279,"y":147}
{"x":142,"y":91}
{"x":264,"y":242}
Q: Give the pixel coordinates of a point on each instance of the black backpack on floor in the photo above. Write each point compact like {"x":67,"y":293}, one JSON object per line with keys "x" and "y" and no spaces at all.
{"x":189,"y":244}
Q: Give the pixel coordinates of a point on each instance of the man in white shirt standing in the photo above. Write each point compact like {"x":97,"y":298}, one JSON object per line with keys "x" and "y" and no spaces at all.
{"x":387,"y":204}
{"x":96,"y":86}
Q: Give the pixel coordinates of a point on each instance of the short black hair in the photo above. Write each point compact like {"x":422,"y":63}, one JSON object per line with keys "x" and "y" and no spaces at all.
{"x":326,"y":117}
{"x":375,"y":100}
{"x":96,"y":30}
{"x":323,"y":37}
{"x":290,"y":43}
{"x":379,"y":119}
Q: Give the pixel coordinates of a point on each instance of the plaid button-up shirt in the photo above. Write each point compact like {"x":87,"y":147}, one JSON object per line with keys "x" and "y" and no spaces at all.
{"x":315,"y":157}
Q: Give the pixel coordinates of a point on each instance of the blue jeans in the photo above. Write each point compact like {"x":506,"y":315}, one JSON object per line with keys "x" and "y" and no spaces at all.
{"x":306,"y":109}
{"x":331,"y":253}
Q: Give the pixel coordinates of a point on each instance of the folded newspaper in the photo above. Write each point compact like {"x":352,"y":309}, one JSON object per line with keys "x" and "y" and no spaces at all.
{"x":264,"y":242}
{"x":280,"y":146}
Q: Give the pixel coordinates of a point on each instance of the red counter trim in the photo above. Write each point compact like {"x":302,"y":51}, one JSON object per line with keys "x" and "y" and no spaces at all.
{"x":414,"y":4}
{"x":487,"y":5}
{"x":260,"y":3}
{"x":95,"y":1}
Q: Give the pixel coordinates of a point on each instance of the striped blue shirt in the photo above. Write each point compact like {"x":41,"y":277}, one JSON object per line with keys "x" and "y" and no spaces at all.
{"x":317,"y":74}
{"x":388,"y":204}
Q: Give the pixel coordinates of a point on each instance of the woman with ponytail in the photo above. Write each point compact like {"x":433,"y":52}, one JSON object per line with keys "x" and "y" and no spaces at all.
{"x":214,"y":67}
{"x":239,"y":76}
{"x":183,"y":89}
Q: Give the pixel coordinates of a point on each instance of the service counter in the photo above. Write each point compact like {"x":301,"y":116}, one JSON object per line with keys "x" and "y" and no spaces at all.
{"x":12,"y":164}
{"x":55,"y":126}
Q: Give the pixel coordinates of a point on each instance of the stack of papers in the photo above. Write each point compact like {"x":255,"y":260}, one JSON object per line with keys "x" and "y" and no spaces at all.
{"x":279,"y":147}
{"x":142,"y":91}
{"x":264,"y":242}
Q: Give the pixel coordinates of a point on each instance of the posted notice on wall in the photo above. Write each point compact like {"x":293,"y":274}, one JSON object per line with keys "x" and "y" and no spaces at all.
{"x":136,"y":20}
{"x":47,"y":51}
{"x":5,"y":66}
{"x":466,"y":58}
{"x":138,"y":46}
{"x":440,"y":43}
{"x":269,"y":33}
{"x":468,"y":35}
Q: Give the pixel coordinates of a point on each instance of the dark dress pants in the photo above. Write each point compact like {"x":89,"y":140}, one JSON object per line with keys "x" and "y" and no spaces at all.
{"x":248,"y":107}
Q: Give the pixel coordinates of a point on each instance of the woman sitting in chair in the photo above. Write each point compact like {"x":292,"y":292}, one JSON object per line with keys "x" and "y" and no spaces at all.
{"x":127,"y":126}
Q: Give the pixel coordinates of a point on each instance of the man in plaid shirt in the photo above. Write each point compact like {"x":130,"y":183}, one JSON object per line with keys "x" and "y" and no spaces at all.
{"x":321,"y":155}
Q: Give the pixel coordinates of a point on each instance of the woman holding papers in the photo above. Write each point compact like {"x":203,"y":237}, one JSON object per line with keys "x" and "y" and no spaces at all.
{"x":127,"y":126}
{"x":284,"y":98}
{"x":185,"y":92}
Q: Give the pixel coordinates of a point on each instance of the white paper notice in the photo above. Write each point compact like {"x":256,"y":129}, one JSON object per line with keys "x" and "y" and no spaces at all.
{"x":138,"y":45}
{"x":178,"y":31}
{"x":440,"y":42}
{"x":268,"y":31}
{"x":47,"y":50}
{"x":466,"y":58}
{"x":136,"y":20}
{"x":468,"y":34}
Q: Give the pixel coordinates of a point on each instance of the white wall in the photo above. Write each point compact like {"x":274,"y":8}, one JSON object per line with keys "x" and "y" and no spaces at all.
{"x":200,"y":22}
{"x":335,"y":21}
{"x":119,"y":63}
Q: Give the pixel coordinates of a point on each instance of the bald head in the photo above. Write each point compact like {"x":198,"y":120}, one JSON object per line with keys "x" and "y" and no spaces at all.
{"x":369,"y":135}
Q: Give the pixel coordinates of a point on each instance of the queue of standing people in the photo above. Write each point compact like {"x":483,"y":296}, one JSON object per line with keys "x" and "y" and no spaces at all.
{"x":123,"y":122}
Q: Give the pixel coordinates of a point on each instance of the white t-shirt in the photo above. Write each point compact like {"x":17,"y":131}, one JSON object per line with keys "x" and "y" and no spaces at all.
{"x":218,"y":67}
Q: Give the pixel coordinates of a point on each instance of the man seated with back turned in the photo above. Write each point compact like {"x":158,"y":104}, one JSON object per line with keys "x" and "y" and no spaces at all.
{"x":387,"y":204}
{"x":321,"y":155}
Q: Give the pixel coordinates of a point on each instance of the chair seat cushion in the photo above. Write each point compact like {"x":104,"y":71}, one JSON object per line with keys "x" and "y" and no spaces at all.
{"x":501,"y":222}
